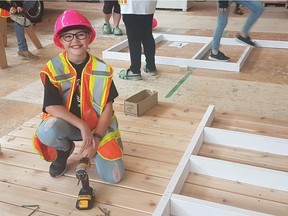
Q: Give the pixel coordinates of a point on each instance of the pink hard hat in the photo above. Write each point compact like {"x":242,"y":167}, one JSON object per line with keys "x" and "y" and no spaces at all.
{"x":70,"y":18}
{"x":154,"y":23}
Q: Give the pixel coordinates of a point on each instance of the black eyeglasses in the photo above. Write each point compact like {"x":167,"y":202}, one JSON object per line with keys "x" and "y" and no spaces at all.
{"x":79,"y":35}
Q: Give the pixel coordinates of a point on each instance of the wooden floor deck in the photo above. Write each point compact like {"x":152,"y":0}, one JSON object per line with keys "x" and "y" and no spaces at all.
{"x":153,"y":146}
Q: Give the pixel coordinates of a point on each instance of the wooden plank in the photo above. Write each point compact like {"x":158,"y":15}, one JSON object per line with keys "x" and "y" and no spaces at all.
{"x":251,"y":124}
{"x":59,"y":204}
{"x":3,"y":42}
{"x":172,"y":143}
{"x":152,"y":153}
{"x":237,"y":188}
{"x":248,"y":141}
{"x":235,"y":200}
{"x":8,"y":209}
{"x":239,"y":172}
{"x":33,"y":37}
{"x":253,"y":158}
{"x":165,"y":110}
{"x":3,"y":30}
{"x":183,"y":205}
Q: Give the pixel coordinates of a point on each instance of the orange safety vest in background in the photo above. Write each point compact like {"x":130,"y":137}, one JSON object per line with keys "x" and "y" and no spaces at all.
{"x":95,"y":87}
{"x":4,"y":13}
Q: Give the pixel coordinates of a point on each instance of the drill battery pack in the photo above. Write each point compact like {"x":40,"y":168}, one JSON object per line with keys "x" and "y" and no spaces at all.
{"x":85,"y":199}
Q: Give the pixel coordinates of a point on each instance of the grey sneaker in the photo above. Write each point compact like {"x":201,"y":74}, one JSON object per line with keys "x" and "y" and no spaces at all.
{"x":20,"y":19}
{"x":219,"y":57}
{"x":27,"y":55}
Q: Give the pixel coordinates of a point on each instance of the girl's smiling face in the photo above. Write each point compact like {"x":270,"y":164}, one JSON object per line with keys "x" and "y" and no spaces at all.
{"x":76,"y":43}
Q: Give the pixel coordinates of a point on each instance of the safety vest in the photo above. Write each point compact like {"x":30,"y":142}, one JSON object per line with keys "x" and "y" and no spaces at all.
{"x":4,"y":13}
{"x":95,"y":87}
{"x":122,"y":2}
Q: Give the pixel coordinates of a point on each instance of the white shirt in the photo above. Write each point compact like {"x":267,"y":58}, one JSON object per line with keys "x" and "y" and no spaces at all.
{"x":143,"y":7}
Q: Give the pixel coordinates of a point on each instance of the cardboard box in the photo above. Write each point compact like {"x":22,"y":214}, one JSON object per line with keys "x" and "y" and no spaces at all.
{"x":141,"y":102}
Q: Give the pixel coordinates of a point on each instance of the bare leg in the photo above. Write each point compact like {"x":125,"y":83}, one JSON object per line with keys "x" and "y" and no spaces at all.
{"x":107,"y":18}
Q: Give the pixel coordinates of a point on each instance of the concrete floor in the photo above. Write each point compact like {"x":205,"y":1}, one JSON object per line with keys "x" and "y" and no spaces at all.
{"x":259,"y":89}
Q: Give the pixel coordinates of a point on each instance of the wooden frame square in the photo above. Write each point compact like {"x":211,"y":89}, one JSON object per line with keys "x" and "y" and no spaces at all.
{"x":195,"y":61}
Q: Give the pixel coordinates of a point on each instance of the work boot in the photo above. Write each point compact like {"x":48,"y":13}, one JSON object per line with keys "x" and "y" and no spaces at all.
{"x":59,"y":166}
{"x":27,"y":55}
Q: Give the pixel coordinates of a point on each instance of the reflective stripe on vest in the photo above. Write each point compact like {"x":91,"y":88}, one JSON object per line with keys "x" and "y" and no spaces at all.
{"x":122,"y":2}
{"x":110,"y":147}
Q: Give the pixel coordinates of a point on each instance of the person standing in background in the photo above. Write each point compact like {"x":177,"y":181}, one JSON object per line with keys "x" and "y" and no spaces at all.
{"x":111,"y":8}
{"x":256,"y":8}
{"x":14,"y":10}
{"x":138,"y":18}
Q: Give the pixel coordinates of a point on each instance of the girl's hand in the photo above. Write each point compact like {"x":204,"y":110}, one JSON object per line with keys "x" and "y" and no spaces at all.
{"x":89,"y":152}
{"x":87,"y":137}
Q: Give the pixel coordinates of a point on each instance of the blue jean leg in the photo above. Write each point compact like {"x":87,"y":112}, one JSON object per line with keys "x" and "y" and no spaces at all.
{"x":56,"y":132}
{"x":222,"y":21}
{"x":20,"y":36}
{"x":256,"y":8}
{"x":110,"y":171}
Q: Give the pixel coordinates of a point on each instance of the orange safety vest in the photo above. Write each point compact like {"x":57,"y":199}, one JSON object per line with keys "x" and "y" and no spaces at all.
{"x":4,"y":13}
{"x":95,"y":86}
{"x":122,"y":2}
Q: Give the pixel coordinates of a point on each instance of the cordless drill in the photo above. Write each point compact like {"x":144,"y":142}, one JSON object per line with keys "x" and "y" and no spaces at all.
{"x":86,"y":195}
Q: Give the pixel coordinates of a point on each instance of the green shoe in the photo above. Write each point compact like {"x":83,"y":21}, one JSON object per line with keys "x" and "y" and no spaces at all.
{"x":117,"y":31}
{"x":129,"y":75}
{"x":106,"y":29}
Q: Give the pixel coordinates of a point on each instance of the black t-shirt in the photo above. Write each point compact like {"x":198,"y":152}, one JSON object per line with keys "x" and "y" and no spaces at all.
{"x":52,"y":95}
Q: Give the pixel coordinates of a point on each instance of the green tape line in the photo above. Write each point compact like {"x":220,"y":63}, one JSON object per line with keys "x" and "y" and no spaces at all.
{"x":177,"y":86}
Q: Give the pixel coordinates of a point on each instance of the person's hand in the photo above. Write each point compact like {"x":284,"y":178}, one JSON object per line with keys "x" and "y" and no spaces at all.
{"x":87,"y":137}
{"x":89,"y":152}
{"x":19,"y":9}
{"x":13,"y":10}
{"x":222,"y":10}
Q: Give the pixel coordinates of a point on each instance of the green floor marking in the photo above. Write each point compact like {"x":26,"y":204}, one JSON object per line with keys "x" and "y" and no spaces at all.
{"x":174,"y":89}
